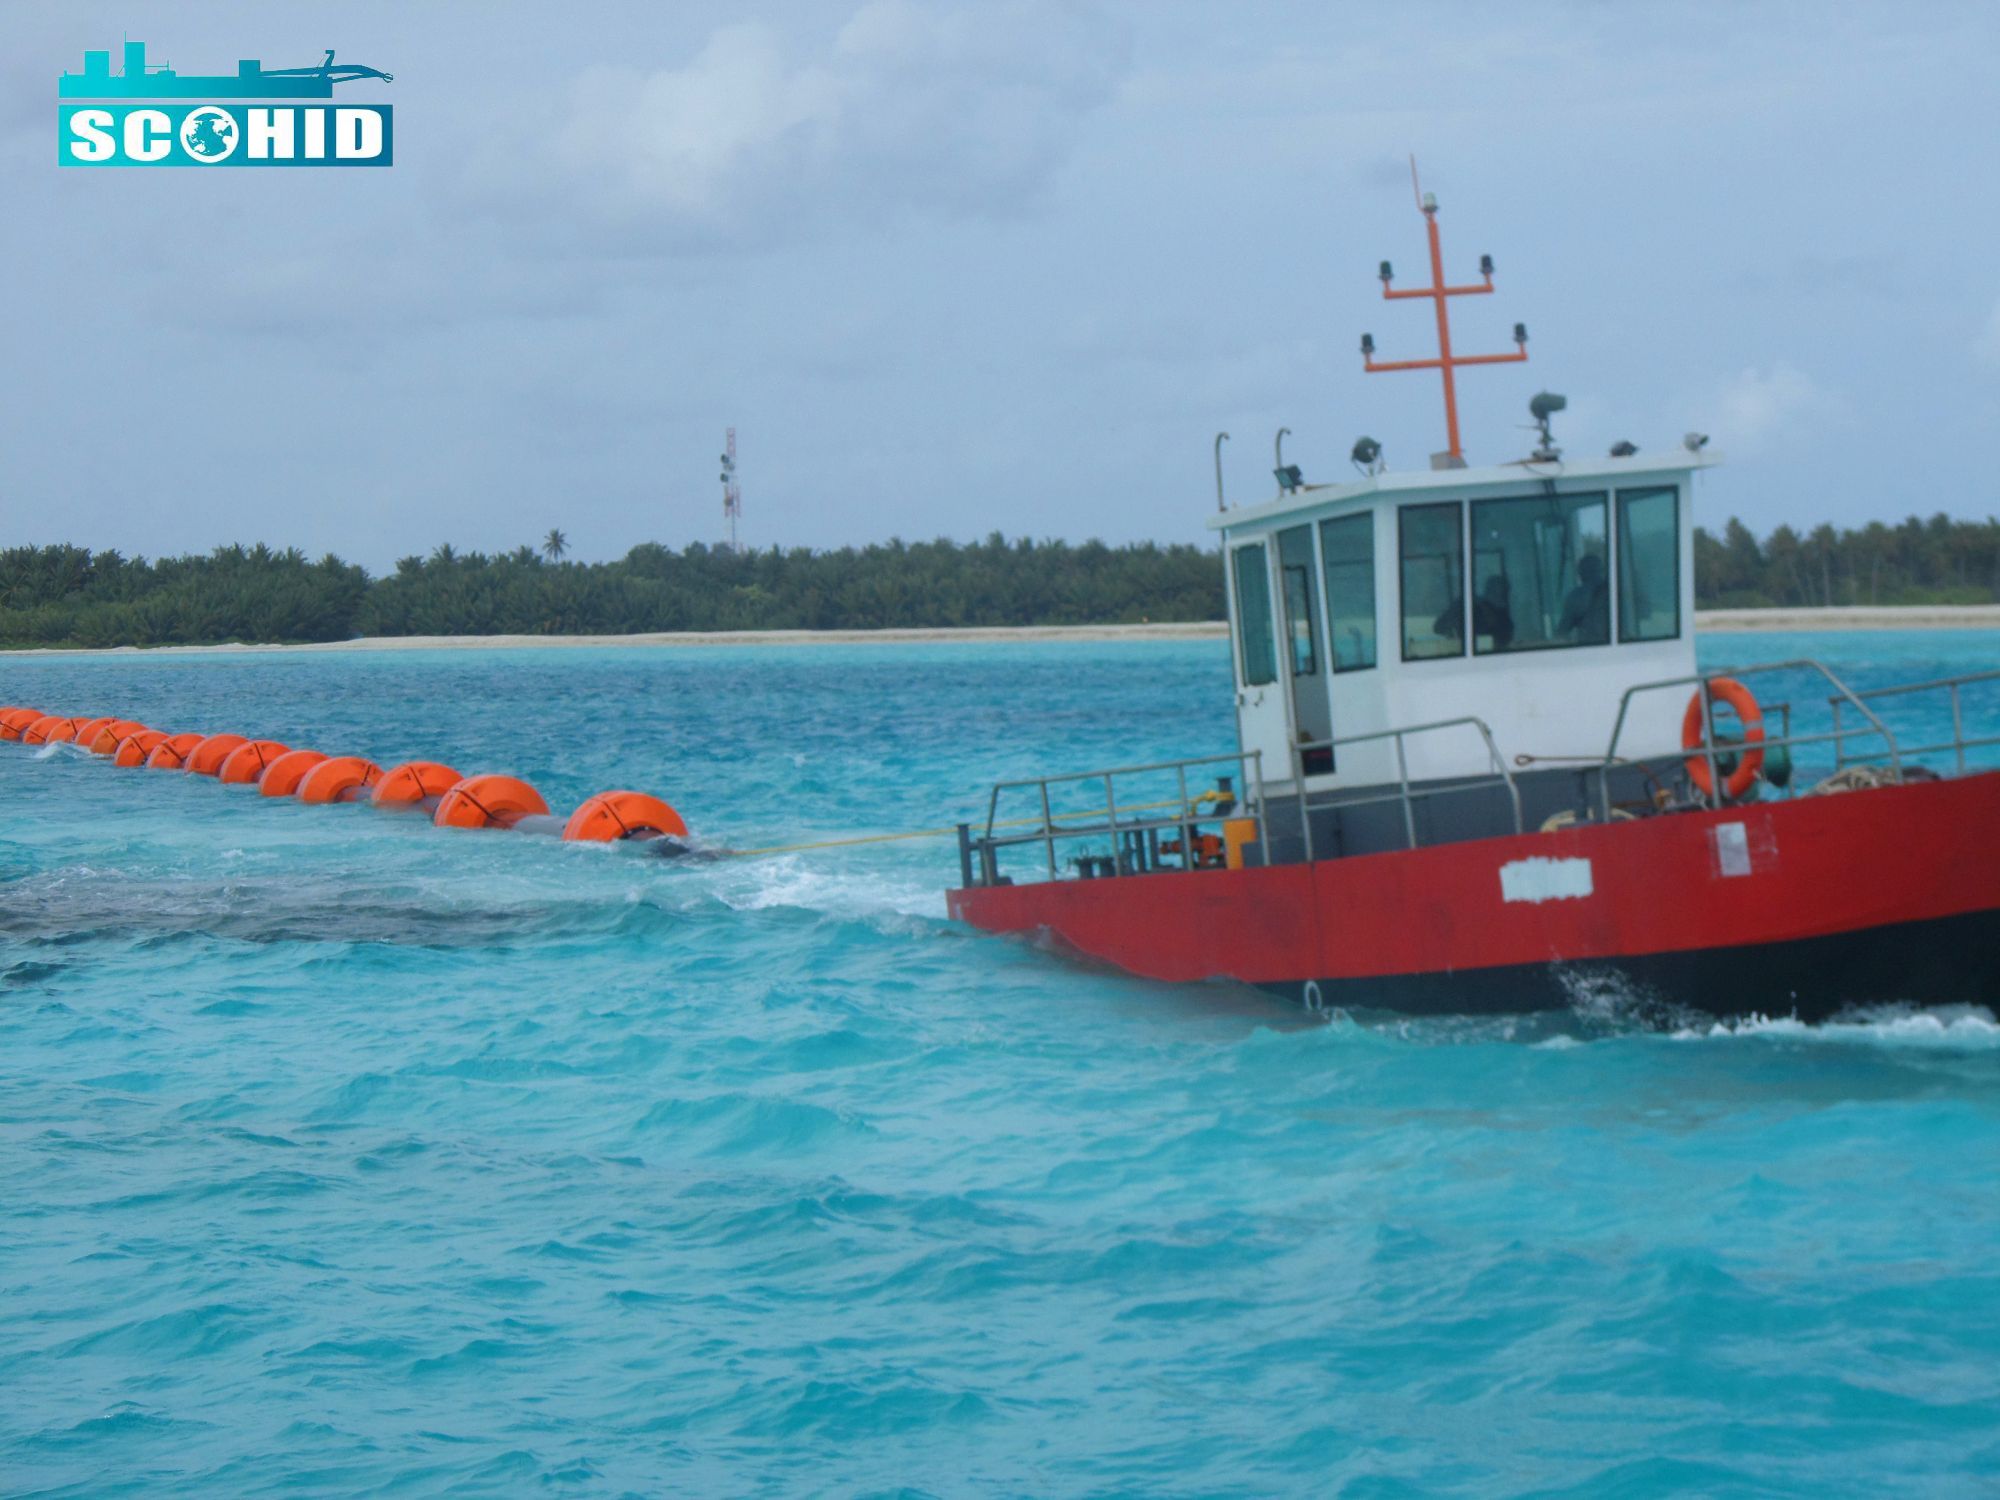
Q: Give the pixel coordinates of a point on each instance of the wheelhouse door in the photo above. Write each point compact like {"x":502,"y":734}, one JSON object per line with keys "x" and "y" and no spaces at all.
{"x":1305,"y":663}
{"x":1263,"y":719}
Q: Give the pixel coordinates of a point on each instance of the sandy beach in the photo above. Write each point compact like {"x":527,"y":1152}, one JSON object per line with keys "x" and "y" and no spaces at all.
{"x":1719,"y":621}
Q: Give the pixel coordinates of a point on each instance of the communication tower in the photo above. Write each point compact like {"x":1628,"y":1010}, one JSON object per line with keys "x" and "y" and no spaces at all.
{"x":732,"y":494}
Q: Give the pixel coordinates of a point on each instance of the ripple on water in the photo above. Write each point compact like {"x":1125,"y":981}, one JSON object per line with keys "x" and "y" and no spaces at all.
{"x":345,"y":1155}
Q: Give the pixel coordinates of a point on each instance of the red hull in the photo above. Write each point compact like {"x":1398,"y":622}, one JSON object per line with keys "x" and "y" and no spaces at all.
{"x":1790,"y":890}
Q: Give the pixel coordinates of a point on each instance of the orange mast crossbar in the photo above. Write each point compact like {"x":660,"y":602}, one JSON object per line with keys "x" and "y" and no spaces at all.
{"x":1438,"y":292}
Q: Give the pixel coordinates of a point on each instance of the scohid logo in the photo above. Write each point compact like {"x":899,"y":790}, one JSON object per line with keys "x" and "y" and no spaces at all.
{"x":181,"y":125}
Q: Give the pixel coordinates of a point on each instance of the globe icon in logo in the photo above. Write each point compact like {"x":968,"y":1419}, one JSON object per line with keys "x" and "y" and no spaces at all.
{"x":208,"y":134}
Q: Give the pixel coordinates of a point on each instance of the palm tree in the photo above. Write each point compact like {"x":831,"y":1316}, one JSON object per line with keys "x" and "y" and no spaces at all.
{"x":554,"y":545}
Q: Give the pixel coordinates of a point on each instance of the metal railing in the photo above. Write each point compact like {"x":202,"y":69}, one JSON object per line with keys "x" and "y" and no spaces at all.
{"x":1118,"y":822}
{"x":1957,"y":745}
{"x":1129,"y":822}
{"x":1404,"y":793}
{"x":1712,"y":753}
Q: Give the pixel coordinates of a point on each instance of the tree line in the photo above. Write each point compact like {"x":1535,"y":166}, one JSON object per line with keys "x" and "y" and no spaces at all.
{"x":71,"y":596}
{"x":1939,"y":561}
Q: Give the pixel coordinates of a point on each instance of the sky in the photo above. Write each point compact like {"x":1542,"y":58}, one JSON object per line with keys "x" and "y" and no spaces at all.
{"x":957,"y":268}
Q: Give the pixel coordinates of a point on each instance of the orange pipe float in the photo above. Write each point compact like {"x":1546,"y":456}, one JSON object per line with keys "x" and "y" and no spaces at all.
{"x":489,"y":802}
{"x":14,"y":720}
{"x":44,"y":730}
{"x":172,"y":753}
{"x":206,"y":758}
{"x":611,"y":816}
{"x":89,"y":727}
{"x":282,"y":776}
{"x":246,"y":762}
{"x":412,"y":782}
{"x":109,"y":735}
{"x":345,"y":778}
{"x":134,"y":748}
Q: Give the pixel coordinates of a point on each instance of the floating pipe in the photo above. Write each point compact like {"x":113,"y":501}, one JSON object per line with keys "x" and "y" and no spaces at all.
{"x":134,"y":748}
{"x":172,"y":753}
{"x":454,"y":801}
{"x":206,"y":758}
{"x":48,"y":729}
{"x":345,"y":778}
{"x":109,"y":735}
{"x":243,"y":765}
{"x":612,"y":816}
{"x":415,"y":783}
{"x":489,"y":802}
{"x":282,"y":776}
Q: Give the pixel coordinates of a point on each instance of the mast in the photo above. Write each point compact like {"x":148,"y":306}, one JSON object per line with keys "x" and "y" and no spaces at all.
{"x":1446,"y":362}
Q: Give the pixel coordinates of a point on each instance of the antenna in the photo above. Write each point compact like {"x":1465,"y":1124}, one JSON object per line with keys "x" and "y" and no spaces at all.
{"x":1446,"y":362}
{"x":732,"y":494}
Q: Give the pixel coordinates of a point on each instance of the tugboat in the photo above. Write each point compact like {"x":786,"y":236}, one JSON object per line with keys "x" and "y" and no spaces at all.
{"x":251,"y":80}
{"x":1479,"y":770}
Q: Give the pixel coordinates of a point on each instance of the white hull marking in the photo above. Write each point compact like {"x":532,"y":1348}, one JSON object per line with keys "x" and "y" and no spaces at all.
{"x":1538,"y":880}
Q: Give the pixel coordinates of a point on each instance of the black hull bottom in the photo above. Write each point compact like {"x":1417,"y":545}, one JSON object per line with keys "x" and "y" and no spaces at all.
{"x":1946,"y":961}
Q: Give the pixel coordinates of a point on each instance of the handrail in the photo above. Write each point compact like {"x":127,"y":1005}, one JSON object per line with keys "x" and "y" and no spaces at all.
{"x":1403,"y":793}
{"x":1187,"y":811}
{"x":1707,"y":748}
{"x":1958,"y":743}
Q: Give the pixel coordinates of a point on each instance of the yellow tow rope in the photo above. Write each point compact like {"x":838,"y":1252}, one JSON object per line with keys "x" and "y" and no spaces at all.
{"x":940,"y":833}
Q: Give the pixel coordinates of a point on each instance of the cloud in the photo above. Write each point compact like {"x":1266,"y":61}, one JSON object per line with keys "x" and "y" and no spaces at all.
{"x":1758,"y":404}
{"x":930,"y":110}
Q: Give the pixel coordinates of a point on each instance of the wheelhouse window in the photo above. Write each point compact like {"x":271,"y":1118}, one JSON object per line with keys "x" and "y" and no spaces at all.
{"x":1347,"y":552}
{"x":1649,"y":564}
{"x":1540,"y":573}
{"x":1254,"y":640}
{"x":1295,"y":568}
{"x":1432,"y":541}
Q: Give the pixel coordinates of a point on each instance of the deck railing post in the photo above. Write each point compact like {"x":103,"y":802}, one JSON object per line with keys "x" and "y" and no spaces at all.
{"x":1305,"y":817}
{"x":964,"y":854}
{"x":1957,"y":730}
{"x":1263,"y":809}
{"x":1839,"y":742}
{"x":1048,"y":830}
{"x":1708,"y":742}
{"x":1187,"y":820}
{"x":1403,"y":781}
{"x":1111,"y":822}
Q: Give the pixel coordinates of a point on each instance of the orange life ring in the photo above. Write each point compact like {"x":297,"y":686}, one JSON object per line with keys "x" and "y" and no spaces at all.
{"x":1737,"y":696}
{"x":340,"y":779}
{"x":108,"y":735}
{"x":172,"y":753}
{"x":243,"y":765}
{"x":206,"y":758}
{"x":282,"y":776}
{"x":489,"y":802}
{"x":610,"y":816}
{"x":413,"y":781}
{"x":134,"y":748}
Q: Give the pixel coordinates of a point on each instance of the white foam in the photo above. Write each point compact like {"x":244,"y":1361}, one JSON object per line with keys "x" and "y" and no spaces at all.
{"x":1955,"y":1026}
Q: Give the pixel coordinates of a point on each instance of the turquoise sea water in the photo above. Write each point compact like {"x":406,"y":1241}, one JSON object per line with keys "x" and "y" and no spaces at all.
{"x":344,"y":1155}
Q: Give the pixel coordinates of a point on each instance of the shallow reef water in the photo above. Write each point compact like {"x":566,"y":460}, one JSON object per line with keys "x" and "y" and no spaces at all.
{"x":341,"y":1154}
